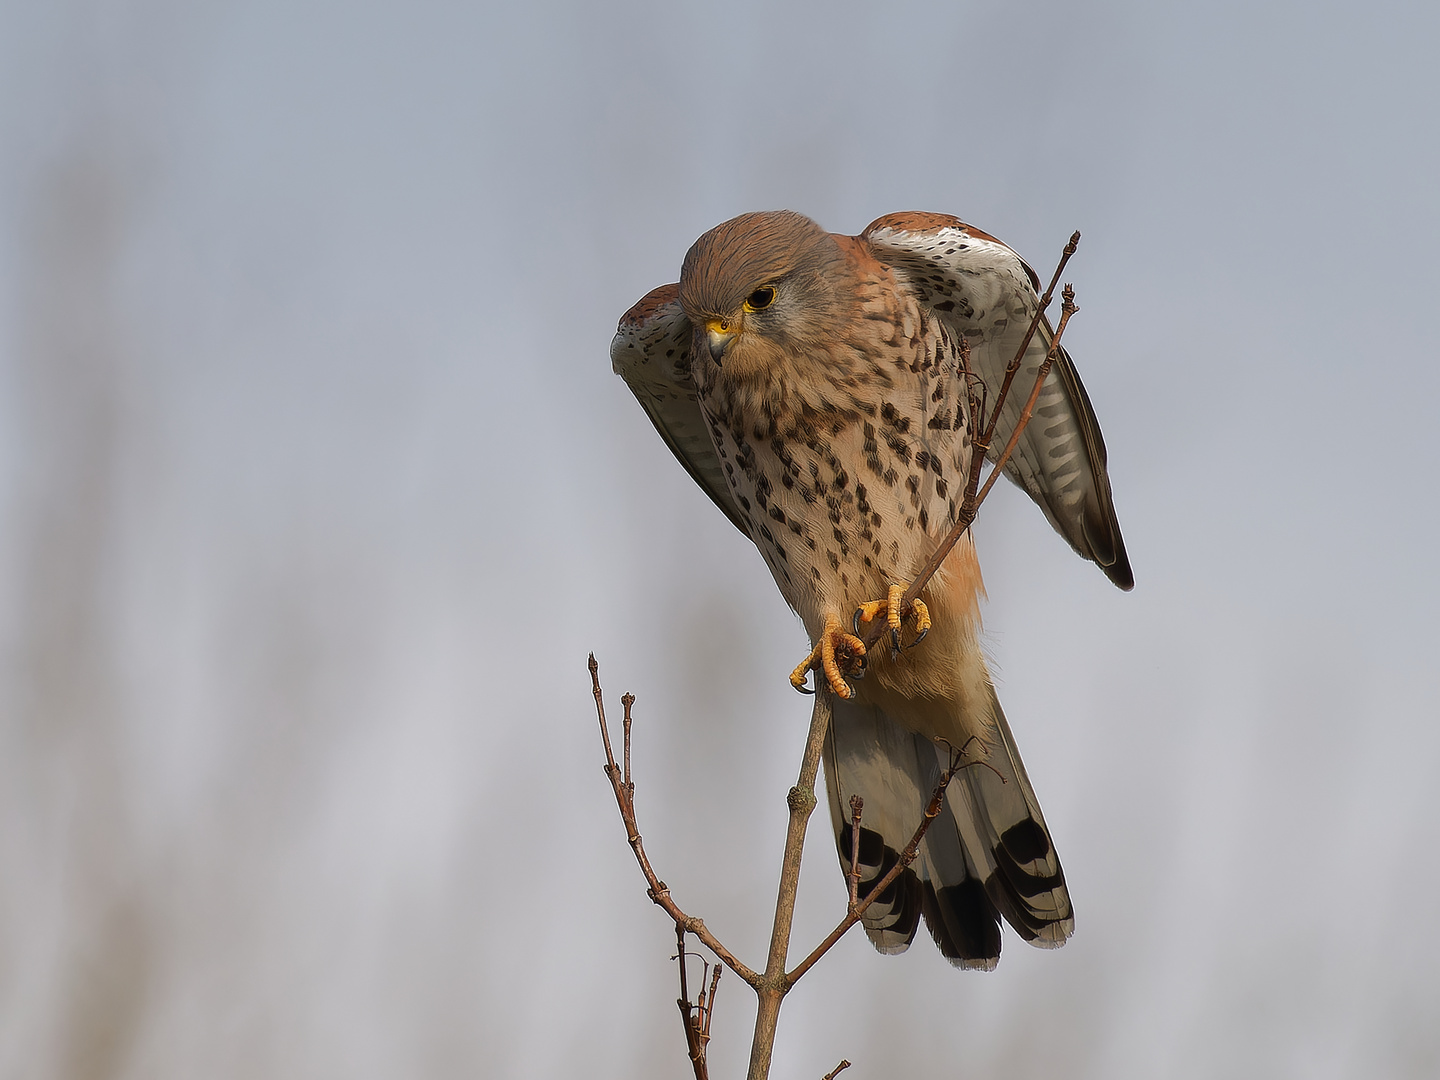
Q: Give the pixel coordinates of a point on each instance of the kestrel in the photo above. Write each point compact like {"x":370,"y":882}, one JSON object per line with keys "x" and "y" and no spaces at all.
{"x":811,"y":384}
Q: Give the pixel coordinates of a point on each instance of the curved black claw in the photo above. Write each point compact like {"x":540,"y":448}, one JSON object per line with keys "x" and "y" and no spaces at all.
{"x":855,"y":621}
{"x":919,"y":637}
{"x":894,"y":644}
{"x":804,"y":689}
{"x":864,"y":666}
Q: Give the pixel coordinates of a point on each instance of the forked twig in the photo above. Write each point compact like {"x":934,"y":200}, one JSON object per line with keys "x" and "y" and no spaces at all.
{"x":908,"y":856}
{"x":624,"y":790}
{"x":857,"y":806}
{"x":772,"y":986}
{"x":984,"y":427}
{"x":696,"y":1017}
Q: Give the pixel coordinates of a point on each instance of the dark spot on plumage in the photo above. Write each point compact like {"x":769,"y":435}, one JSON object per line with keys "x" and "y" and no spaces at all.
{"x":922,"y":458}
{"x":954,"y":514}
{"x":780,"y":550}
{"x":891,"y":476}
{"x":868,"y":564}
{"x":887,"y":413}
{"x":834,"y":559}
{"x":1026,"y":841}
{"x":815,"y":570}
{"x":765,"y":532}
{"x":835,"y":515}
{"x":777,"y":513}
{"x":962,"y":920}
{"x":924,"y":519}
{"x":810,"y":542}
{"x":936,"y":467}
{"x":941,"y":487}
{"x":909,"y":523}
{"x":787,"y":480}
{"x":794,"y":525}
{"x":939,"y":423}
{"x":944,"y":305}
{"x":876,"y":547}
{"x":875,"y":520}
{"x":899,"y":447}
{"x":845,"y":580}
{"x":744,"y":501}
{"x":870,"y":446}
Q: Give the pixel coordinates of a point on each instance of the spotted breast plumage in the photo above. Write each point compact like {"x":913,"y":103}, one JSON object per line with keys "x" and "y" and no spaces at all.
{"x":812,"y":385}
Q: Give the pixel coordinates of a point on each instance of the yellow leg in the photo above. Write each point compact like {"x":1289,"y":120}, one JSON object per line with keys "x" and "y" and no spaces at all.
{"x":834,"y":649}
{"x":892,"y":608}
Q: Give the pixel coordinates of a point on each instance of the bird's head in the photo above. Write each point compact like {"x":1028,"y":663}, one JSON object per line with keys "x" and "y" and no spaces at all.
{"x":758,"y":288}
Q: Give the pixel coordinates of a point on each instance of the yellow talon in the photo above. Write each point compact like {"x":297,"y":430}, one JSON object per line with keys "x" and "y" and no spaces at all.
{"x":834,"y":649}
{"x":891,"y":605}
{"x":922,"y":619}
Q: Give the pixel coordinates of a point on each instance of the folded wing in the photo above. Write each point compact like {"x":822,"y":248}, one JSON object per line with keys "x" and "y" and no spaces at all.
{"x":651,"y":352}
{"x":982,"y":290}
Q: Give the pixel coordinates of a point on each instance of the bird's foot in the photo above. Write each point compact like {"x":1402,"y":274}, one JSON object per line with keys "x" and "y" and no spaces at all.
{"x":891,"y":605}
{"x":837,"y":654}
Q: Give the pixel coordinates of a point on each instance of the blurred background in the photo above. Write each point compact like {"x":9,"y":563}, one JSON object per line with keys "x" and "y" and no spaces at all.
{"x":316,"y":489}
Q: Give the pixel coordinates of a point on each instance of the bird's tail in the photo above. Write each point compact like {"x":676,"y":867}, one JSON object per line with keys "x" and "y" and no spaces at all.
{"x":988,"y":854}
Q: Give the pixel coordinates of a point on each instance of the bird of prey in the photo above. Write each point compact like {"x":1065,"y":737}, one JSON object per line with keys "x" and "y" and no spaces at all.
{"x":812,"y":385}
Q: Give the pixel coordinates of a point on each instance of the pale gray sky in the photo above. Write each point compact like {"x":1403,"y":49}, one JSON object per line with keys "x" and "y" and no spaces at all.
{"x":316,"y":488}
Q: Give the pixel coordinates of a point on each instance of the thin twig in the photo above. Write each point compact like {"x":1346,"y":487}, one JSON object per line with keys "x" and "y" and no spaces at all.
{"x":857,"y":804}
{"x":658,"y":892}
{"x":1067,"y":308}
{"x":912,"y":849}
{"x":974,"y":496}
{"x":710,"y":1001}
{"x":836,"y":1070}
{"x":774,"y":985}
{"x":1014,"y":365}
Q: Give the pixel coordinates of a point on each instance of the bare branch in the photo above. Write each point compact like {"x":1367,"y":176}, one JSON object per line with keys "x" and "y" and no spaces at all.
{"x":974,"y":495}
{"x":857,"y":804}
{"x":1067,"y":308}
{"x":984,"y":437}
{"x":912,"y":849}
{"x":836,"y":1070}
{"x":774,"y":986}
{"x":658,"y":892}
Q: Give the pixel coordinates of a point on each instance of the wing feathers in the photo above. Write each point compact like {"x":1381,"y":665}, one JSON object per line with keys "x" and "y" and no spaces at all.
{"x":651,"y":352}
{"x":982,"y":290}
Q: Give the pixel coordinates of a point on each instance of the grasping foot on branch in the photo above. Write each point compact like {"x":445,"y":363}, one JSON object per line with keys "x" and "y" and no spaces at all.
{"x":894,"y":607}
{"x":836,"y":655}
{"x":816,"y":387}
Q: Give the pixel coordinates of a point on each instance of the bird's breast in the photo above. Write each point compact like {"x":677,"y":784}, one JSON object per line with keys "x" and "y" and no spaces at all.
{"x":846,"y":488}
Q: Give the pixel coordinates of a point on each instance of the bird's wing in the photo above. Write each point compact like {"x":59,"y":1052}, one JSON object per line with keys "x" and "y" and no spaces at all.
{"x":651,"y":352}
{"x":977,"y":287}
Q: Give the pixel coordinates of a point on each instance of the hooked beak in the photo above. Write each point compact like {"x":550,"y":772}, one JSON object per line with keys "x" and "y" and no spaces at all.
{"x":718,"y":335}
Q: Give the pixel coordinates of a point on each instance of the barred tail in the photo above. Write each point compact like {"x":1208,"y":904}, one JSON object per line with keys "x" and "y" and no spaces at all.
{"x":988,"y":855}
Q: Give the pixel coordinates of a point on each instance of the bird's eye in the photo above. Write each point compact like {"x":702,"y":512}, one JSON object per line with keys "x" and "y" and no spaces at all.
{"x":761,"y":298}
